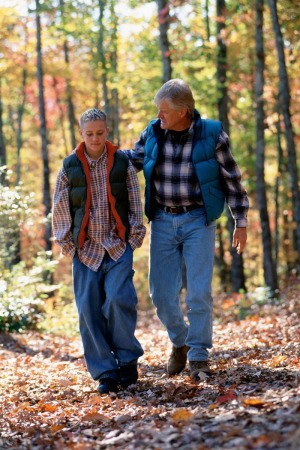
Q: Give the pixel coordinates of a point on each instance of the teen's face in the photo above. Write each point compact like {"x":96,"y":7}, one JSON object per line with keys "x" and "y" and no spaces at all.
{"x":171,"y":119}
{"x":94,"y":134}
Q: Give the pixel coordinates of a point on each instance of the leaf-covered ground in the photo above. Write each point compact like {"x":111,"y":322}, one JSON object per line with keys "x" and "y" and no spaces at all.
{"x":48,"y":400}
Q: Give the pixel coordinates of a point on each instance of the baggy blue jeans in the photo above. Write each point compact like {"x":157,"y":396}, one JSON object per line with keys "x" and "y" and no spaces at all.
{"x":106,"y":303}
{"x":174,"y":238}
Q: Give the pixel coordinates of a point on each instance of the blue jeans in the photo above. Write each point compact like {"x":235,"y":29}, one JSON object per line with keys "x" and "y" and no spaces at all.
{"x":174,"y":238}
{"x":106,"y":303}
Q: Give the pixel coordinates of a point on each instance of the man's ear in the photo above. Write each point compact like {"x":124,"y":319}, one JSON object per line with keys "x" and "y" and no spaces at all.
{"x":183,"y":112}
{"x":80,"y":132}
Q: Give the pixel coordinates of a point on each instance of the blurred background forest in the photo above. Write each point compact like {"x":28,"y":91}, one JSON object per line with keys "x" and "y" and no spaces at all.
{"x":60,"y":57}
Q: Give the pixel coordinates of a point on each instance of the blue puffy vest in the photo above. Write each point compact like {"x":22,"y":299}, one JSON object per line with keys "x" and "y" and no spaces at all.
{"x":206,"y":135}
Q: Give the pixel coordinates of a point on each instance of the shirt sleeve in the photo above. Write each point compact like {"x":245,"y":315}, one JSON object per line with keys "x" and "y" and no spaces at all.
{"x":61,"y":216}
{"x":137,"y":229}
{"x":136,"y":155}
{"x":236,"y":194}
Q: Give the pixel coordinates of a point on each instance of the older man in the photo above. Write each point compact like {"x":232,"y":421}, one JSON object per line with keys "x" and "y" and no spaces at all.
{"x":190,"y":172}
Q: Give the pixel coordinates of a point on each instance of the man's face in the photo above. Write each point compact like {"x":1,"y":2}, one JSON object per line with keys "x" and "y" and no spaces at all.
{"x":171,"y":119}
{"x":94,"y":134}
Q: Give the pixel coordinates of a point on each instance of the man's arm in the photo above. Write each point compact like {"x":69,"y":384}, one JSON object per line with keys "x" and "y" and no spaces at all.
{"x":236,"y":194}
{"x":136,"y":155}
{"x":137,"y":229}
{"x":61,"y":217}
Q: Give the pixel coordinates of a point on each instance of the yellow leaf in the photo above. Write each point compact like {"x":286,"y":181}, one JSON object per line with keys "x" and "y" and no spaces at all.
{"x":277,"y":360}
{"x":182,"y":414}
{"x":253,"y":401}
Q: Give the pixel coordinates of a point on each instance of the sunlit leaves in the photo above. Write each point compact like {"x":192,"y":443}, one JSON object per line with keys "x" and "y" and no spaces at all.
{"x":252,"y":400}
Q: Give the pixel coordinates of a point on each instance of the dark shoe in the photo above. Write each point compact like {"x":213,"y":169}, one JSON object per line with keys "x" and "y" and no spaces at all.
{"x":177,"y":360}
{"x":128,"y":375}
{"x":107,"y":385}
{"x":199,"y":370}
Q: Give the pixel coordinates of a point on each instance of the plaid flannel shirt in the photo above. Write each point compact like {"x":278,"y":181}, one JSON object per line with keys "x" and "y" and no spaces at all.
{"x":175,"y":180}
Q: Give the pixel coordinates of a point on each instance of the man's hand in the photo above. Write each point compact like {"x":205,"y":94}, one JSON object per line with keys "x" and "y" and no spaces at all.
{"x":239,"y":239}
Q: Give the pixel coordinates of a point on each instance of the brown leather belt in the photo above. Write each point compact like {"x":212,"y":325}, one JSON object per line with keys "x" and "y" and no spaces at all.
{"x":178,"y":209}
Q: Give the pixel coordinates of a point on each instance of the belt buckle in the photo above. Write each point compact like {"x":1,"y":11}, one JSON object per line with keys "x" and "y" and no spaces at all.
{"x":173,"y":209}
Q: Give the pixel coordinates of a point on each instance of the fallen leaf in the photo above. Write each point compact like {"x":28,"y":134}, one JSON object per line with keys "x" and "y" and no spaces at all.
{"x":94,"y":417}
{"x":227,"y":397}
{"x":182,"y":414}
{"x":253,"y":401}
{"x":278,"y":360}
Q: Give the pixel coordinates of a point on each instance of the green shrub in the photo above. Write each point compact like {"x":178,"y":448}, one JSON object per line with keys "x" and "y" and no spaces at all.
{"x":23,"y":293}
{"x":22,"y":285}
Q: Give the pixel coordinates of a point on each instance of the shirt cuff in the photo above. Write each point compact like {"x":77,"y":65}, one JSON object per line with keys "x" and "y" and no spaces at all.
{"x":241,"y":223}
{"x":135,"y":242}
{"x":68,"y":249}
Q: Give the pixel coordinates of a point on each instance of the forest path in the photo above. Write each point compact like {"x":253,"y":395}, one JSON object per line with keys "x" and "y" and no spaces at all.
{"x":48,"y":400}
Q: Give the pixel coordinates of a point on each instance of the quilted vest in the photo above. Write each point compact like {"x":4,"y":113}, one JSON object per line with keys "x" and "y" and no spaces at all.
{"x":77,"y":170}
{"x":206,"y":135}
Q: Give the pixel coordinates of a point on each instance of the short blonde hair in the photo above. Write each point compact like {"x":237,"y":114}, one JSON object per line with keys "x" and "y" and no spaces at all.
{"x":90,"y":115}
{"x":179,"y":95}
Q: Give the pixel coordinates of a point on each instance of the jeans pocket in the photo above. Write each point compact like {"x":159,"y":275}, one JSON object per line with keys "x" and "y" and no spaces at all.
{"x":158,"y":214}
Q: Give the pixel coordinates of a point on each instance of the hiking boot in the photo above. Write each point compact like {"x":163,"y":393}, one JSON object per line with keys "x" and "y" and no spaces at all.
{"x":199,"y":370}
{"x":177,"y":360}
{"x":107,"y":385}
{"x":128,"y":375}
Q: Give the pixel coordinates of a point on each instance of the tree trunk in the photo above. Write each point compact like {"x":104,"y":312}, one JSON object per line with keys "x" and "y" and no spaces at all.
{"x":114,"y":66}
{"x":101,"y":56}
{"x":3,"y":160}
{"x":284,"y":99}
{"x":70,"y":105}
{"x":164,"y":21}
{"x":270,"y":274}
{"x":61,"y":114}
{"x":223,"y":270}
{"x":277,"y":187}
{"x":43,"y":132}
{"x":237,"y":266}
{"x":207,"y":22}
{"x":71,"y":109}
{"x":21,"y":109}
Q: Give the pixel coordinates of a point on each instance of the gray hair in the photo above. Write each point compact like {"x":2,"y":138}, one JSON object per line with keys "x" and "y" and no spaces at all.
{"x":91,"y":115}
{"x":179,"y":95}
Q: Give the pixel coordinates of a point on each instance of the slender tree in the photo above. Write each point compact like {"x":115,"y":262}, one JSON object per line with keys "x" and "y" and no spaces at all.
{"x":207,"y":21}
{"x":270,"y":275}
{"x":2,"y":140}
{"x":115,"y":135}
{"x":285,"y":100}
{"x":69,"y":93}
{"x":43,"y":129}
{"x":277,"y":187}
{"x":21,"y":105}
{"x":164,"y":22}
{"x":102,"y":58}
{"x":61,"y":114}
{"x":20,"y":114}
{"x":237,"y":266}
